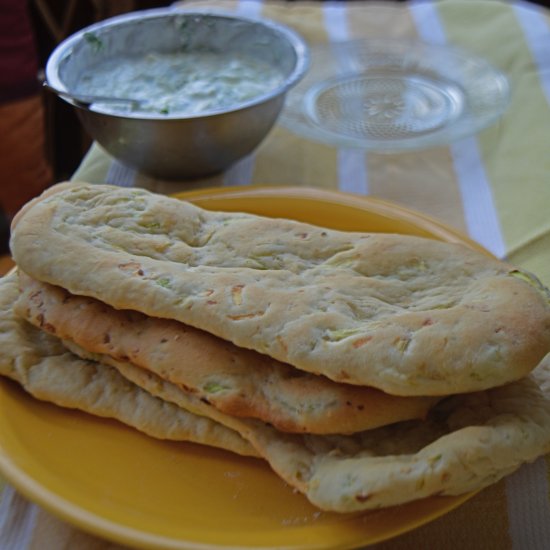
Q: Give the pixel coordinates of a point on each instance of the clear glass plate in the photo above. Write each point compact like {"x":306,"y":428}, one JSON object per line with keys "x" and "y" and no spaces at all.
{"x":389,"y":96}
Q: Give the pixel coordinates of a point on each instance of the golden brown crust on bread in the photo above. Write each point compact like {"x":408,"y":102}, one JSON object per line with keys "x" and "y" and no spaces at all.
{"x":236,"y":381}
{"x":46,"y":370}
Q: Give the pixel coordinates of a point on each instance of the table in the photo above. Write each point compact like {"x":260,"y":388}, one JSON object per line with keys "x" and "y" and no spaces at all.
{"x":494,"y":187}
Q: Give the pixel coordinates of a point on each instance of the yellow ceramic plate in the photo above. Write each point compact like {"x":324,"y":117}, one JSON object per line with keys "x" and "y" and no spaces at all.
{"x":117,"y":483}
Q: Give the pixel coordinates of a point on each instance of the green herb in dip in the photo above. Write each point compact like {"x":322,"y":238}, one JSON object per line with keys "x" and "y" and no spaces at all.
{"x":185,"y":83}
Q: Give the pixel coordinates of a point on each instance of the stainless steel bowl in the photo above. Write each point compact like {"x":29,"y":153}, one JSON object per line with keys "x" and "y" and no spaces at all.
{"x":171,"y":146}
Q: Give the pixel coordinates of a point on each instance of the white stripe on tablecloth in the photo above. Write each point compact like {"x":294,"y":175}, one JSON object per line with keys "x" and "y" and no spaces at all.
{"x":17,"y":520}
{"x":528,"y":507}
{"x":336,"y":21}
{"x":242,"y":172}
{"x":352,"y":166}
{"x":252,"y":8}
{"x":537,"y":34}
{"x":120,"y":175}
{"x":427,"y":21}
{"x":477,"y":198}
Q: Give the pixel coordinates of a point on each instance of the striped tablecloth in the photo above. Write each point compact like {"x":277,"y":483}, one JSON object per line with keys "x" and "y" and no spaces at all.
{"x":494,"y":186}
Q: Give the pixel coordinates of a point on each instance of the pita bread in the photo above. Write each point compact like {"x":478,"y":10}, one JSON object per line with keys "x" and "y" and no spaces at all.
{"x":46,"y":370}
{"x":236,"y":381}
{"x":407,"y":315}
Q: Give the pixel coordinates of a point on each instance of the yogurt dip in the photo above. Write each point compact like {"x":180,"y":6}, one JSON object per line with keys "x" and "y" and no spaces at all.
{"x":183,"y":83}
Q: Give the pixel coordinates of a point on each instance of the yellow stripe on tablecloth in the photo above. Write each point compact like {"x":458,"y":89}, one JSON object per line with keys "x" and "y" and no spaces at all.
{"x":380,"y":21}
{"x":403,"y":180}
{"x":515,"y":150}
{"x":533,"y":255}
{"x":304,"y":17}
{"x":286,"y":159}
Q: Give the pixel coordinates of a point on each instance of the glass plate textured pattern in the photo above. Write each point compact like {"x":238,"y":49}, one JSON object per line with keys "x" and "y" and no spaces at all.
{"x":389,"y":96}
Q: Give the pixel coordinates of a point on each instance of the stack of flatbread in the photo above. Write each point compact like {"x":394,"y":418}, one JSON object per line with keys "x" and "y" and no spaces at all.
{"x":367,"y":369}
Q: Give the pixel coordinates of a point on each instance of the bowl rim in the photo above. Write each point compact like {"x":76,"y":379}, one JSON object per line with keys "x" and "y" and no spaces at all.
{"x":297,"y":42}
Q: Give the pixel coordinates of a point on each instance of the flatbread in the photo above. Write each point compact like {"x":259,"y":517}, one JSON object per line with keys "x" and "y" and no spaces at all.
{"x":46,"y":370}
{"x":407,"y":315}
{"x":236,"y":381}
{"x":467,"y":443}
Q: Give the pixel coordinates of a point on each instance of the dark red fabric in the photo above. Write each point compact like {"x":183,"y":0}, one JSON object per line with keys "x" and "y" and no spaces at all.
{"x":18,"y":59}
